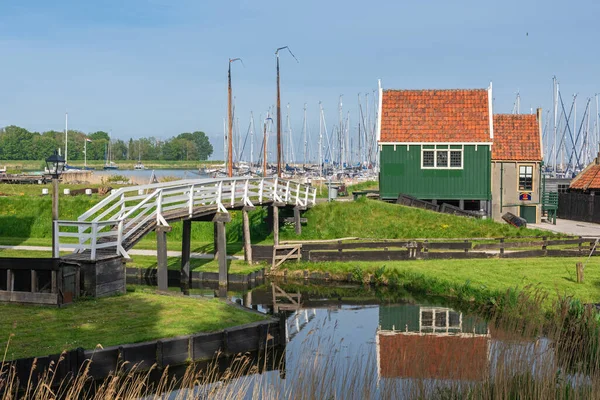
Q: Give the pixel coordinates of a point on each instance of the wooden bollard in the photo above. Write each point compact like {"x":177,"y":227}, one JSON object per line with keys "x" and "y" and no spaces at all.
{"x":579,"y":272}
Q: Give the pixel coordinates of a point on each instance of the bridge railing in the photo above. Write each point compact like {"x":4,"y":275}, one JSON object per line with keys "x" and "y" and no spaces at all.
{"x":127,"y":210}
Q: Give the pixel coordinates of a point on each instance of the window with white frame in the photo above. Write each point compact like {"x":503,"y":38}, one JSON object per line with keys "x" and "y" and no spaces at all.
{"x":526,"y":178}
{"x":442,"y":156}
{"x":438,"y":319}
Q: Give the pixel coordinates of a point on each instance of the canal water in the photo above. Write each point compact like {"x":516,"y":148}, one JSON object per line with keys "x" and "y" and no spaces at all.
{"x":143,"y":176}
{"x":365,"y":342}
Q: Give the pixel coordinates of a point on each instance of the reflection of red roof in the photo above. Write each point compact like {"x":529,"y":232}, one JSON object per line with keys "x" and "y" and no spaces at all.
{"x":587,"y":179}
{"x":435,"y":116}
{"x":516,"y":138}
{"x":433,"y":356}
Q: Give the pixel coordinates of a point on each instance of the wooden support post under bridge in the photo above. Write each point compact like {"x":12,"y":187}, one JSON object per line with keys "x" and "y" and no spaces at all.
{"x":162,"y":273}
{"x":276,"y":222}
{"x":247,"y":238}
{"x":297,"y":221}
{"x":219,"y":220}
{"x":185,"y":256}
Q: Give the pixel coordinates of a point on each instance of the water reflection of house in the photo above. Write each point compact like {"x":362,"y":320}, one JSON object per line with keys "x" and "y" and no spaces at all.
{"x":432,"y":343}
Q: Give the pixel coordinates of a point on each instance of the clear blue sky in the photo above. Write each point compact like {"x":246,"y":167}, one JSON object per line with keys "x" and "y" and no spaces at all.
{"x":159,"y":67}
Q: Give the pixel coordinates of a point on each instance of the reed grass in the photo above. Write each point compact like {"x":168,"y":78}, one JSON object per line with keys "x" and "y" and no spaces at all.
{"x":528,"y":357}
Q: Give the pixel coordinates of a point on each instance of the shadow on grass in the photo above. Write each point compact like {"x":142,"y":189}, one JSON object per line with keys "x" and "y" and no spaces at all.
{"x":16,"y":228}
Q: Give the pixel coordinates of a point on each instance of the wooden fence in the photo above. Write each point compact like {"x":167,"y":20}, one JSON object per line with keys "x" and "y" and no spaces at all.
{"x":180,"y":350}
{"x":30,"y":280}
{"x":437,"y":249}
{"x":579,"y":207}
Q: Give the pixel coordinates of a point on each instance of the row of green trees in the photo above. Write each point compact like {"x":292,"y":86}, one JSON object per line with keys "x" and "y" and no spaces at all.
{"x":18,"y":143}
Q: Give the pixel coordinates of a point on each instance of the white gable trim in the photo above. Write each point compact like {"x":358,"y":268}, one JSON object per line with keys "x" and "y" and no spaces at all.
{"x":379,"y":111}
{"x":434,"y":143}
{"x":491,"y":111}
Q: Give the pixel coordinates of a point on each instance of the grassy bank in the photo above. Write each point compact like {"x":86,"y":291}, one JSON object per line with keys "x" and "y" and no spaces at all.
{"x":323,"y":190}
{"x":199,"y":265}
{"x":131,"y":318}
{"x":26,"y":220}
{"x":366,"y":218}
{"x":476,"y":279}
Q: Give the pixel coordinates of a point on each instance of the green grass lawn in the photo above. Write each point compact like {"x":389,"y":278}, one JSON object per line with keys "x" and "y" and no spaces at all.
{"x":130,"y":318}
{"x":376,"y":219}
{"x":200,"y":265}
{"x":323,"y":190}
{"x":555,"y":276}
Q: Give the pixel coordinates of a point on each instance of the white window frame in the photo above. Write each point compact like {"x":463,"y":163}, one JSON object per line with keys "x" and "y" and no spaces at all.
{"x":448,"y":150}
{"x":532,"y":178}
{"x":446,"y":327}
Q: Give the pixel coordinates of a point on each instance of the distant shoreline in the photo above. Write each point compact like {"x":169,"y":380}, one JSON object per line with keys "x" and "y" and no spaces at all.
{"x":38,"y":165}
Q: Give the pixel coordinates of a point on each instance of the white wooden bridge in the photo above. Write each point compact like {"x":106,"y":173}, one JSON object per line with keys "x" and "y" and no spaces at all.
{"x":118,"y":222}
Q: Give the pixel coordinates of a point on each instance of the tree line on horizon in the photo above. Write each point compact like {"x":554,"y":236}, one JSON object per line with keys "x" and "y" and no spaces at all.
{"x":18,"y":143}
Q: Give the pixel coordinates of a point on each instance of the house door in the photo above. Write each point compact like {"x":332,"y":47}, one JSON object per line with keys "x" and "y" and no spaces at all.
{"x":528,"y":213}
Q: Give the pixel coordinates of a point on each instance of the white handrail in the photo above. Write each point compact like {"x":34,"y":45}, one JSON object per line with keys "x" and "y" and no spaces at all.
{"x":116,"y":210}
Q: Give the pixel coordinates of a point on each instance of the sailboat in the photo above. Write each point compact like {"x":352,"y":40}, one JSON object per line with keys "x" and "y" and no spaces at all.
{"x":108,"y":164}
{"x":139,"y":165}
{"x":67,"y":166}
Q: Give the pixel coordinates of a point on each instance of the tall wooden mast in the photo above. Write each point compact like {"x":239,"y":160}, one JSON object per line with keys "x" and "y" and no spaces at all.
{"x":279,"y":110}
{"x":230,"y":121}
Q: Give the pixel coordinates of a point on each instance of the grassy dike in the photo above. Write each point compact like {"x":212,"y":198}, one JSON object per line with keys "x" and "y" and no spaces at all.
{"x":477,"y":280}
{"x":29,"y":331}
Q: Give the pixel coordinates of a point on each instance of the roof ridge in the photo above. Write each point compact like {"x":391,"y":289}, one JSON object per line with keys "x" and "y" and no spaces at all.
{"x":585,"y":187}
{"x":437,"y":90}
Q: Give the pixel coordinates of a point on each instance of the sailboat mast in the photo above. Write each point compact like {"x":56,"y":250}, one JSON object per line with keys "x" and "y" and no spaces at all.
{"x":229,"y":125}
{"x":66,"y":134}
{"x":341,"y":135}
{"x":320,"y":140}
{"x":251,"y":139}
{"x":225,"y":142}
{"x":554,"y":147}
{"x":304,"y":135}
{"x":265,"y":147}
{"x":597,"y":127}
{"x":279,"y":110}
{"x":278,"y":121}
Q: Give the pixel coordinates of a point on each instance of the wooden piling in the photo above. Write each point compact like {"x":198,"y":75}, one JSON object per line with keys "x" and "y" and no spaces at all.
{"x":247,"y":237}
{"x":34,"y":281}
{"x":219,"y":220}
{"x":579,"y":272}
{"x":162,"y":273}
{"x":185,"y":256}
{"x":276,"y":225}
{"x":10,"y":282}
{"x":297,"y":224}
{"x":53,"y":282}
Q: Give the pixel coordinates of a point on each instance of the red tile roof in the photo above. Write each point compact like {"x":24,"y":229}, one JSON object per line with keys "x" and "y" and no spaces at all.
{"x":433,"y":356}
{"x":516,"y":138}
{"x":435,"y":116}
{"x":587,"y":179}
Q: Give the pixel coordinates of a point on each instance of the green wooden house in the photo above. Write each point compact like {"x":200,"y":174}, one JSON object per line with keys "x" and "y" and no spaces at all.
{"x":436,"y":145}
